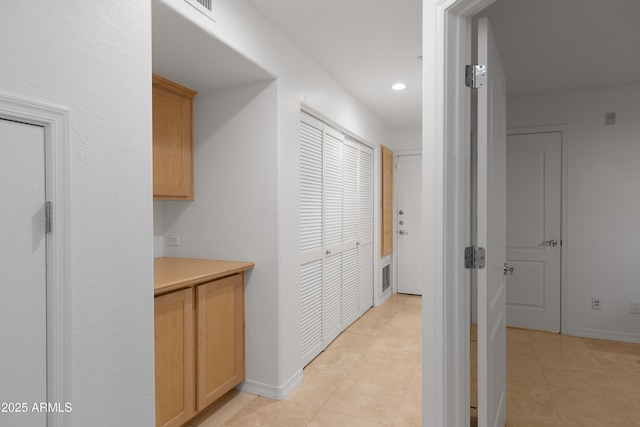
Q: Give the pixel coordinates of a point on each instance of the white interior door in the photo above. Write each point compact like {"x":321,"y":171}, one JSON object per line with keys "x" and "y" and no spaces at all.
{"x":534,"y":185}
{"x":23,"y":282}
{"x":409,"y":178}
{"x":491,"y":234}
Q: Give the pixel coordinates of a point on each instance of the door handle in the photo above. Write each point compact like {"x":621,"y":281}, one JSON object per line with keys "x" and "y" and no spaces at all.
{"x":507,"y":270}
{"x":403,"y":233}
{"x":553,"y":243}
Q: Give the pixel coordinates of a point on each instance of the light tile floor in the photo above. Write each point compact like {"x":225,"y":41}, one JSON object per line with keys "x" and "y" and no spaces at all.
{"x":559,"y":380}
{"x":371,"y":376}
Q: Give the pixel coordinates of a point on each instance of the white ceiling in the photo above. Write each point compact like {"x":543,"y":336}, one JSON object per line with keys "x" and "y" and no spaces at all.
{"x":546,"y":45}
{"x":554,"y":45}
{"x":366,"y":45}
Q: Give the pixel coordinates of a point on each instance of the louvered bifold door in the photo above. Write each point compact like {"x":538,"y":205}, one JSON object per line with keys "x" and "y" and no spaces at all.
{"x":332,"y":215}
{"x":365,"y":228}
{"x":350,"y":243}
{"x":311,"y":248}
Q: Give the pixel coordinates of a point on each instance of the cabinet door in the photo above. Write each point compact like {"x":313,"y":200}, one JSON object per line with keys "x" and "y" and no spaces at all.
{"x":220,"y":345}
{"x":174,"y":358}
{"x":172,"y":140}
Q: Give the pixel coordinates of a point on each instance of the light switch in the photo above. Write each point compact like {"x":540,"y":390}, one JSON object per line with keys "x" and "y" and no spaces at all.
{"x":610,"y":119}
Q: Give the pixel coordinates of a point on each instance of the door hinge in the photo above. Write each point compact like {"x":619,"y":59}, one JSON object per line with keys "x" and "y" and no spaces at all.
{"x":474,"y":257}
{"x":48,"y":217}
{"x":475,"y":76}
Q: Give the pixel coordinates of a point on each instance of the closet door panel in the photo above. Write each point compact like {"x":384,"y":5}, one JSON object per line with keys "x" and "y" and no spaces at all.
{"x":350,"y":194}
{"x":332,"y":298}
{"x":365,"y":276}
{"x":311,"y":310}
{"x":311,"y":164}
{"x":350,"y":287}
{"x":365,"y":192}
{"x":311,"y":235}
{"x":332,"y":190}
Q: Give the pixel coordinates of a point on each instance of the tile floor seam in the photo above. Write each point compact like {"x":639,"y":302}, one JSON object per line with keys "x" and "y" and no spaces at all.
{"x":553,"y":399}
{"x":395,"y":418}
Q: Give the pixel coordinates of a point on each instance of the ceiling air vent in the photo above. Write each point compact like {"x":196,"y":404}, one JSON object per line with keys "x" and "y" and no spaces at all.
{"x":204,"y":6}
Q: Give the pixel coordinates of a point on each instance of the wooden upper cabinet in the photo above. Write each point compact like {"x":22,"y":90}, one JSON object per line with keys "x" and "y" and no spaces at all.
{"x":386,"y":201}
{"x":172,"y":140}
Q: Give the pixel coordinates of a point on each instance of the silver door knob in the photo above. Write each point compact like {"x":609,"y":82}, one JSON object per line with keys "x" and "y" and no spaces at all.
{"x":553,"y":243}
{"x":507,"y":270}
{"x":401,"y":212}
{"x":403,"y":233}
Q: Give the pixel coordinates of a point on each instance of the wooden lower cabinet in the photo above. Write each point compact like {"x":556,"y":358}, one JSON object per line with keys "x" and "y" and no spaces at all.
{"x":220,"y":338}
{"x":174,"y":358}
{"x":199,"y":348}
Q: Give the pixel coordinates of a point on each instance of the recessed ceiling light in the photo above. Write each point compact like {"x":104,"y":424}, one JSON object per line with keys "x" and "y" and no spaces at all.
{"x":399,"y":86}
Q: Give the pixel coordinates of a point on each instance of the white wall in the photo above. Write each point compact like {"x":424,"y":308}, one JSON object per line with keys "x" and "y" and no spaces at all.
{"x":271,"y":210}
{"x":234,"y":214}
{"x":95,"y":59}
{"x":406,"y":139}
{"x":603,"y":194}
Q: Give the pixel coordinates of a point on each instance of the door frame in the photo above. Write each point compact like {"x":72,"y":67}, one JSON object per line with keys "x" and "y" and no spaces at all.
{"x":446,"y":210}
{"x":394,"y":254}
{"x":56,"y":123}
{"x":564,"y":292}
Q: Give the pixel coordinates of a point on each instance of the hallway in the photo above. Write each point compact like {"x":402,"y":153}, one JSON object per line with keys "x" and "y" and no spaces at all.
{"x":371,"y":376}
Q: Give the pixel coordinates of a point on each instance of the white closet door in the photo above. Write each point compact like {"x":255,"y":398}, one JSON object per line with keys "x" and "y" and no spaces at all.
{"x":333,"y":141}
{"x":350,"y":212}
{"x":332,"y":274}
{"x":365,"y":228}
{"x":332,"y":298}
{"x":311,"y":310}
{"x":311,"y":250}
{"x":311,"y":163}
{"x":350,"y":194}
{"x":350,"y":287}
{"x":365,"y":276}
{"x":365,"y":217}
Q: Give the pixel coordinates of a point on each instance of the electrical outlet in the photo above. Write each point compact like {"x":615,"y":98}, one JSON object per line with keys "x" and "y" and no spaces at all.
{"x":635,"y":307}
{"x":173,"y":240}
{"x":596,"y":303}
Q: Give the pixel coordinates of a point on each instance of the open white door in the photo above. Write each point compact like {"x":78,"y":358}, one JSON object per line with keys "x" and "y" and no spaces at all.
{"x":491,"y":234}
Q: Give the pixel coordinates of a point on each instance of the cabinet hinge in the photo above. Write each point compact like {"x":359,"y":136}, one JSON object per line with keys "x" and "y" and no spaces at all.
{"x":475,"y":76}
{"x":474,"y":257}
{"x":48,"y":217}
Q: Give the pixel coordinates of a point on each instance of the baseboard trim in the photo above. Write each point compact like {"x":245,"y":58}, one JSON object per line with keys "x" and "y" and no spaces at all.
{"x":269,"y":391}
{"x":604,"y":335}
{"x":383,"y":298}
